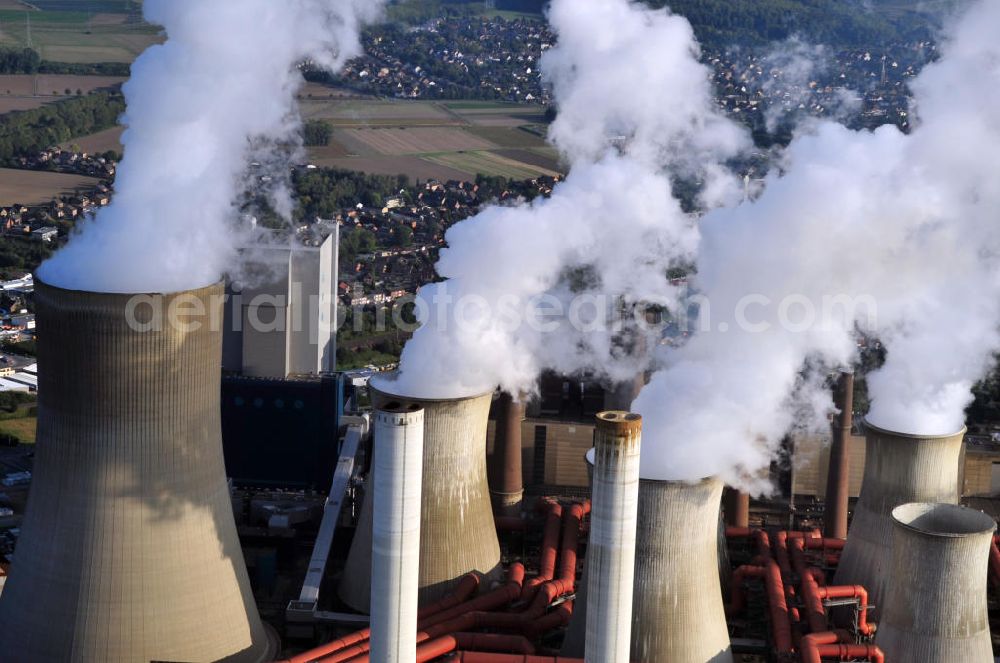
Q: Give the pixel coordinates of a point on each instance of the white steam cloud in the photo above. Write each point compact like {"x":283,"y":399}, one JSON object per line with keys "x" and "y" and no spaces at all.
{"x":635,"y":108}
{"x":224,"y":81}
{"x":894,"y":234}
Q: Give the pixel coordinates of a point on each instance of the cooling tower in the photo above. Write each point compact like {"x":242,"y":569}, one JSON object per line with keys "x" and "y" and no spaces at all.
{"x":899,"y":469}
{"x":457,"y":530}
{"x":677,"y":610}
{"x":935,"y":608}
{"x":611,"y":551}
{"x":398,"y":449}
{"x":128,"y":551}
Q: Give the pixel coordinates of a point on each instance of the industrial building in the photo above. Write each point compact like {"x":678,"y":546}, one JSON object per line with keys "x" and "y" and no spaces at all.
{"x":177,"y":514}
{"x":280,"y":316}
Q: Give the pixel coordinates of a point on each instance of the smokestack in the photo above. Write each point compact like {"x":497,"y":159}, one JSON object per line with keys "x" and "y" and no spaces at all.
{"x":457,"y":530}
{"x":128,"y":550}
{"x":620,"y":395}
{"x":736,"y":506}
{"x":935,"y":609}
{"x":399,"y":445}
{"x":505,"y":476}
{"x":899,"y":468}
{"x":677,"y":611}
{"x":611,"y":552}
{"x":838,"y":475}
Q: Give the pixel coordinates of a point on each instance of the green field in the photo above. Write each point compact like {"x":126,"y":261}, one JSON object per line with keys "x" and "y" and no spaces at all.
{"x":77,"y":36}
{"x":23,"y":429}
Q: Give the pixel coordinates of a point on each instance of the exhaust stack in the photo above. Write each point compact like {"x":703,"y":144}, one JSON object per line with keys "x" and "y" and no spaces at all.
{"x":399,"y":444}
{"x":677,"y":611}
{"x":838,"y":475}
{"x":505,"y":476}
{"x":899,"y":469}
{"x":935,"y":608}
{"x":457,"y":530}
{"x":128,"y":549}
{"x":611,"y":553}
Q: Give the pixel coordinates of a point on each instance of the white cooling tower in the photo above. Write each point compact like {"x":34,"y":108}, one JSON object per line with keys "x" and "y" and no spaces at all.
{"x":677,"y":612}
{"x":899,"y":469}
{"x":128,"y":552}
{"x":935,"y":605}
{"x":457,"y":530}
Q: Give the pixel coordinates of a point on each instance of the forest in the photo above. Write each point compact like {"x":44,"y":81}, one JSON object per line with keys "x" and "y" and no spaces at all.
{"x":28,"y":61}
{"x":23,"y":133}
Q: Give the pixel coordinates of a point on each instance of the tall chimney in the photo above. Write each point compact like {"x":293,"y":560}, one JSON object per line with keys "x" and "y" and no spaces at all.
{"x":677,"y":611}
{"x":899,"y":468}
{"x":611,"y":552}
{"x":128,"y":550}
{"x":399,"y":445}
{"x":935,"y":608}
{"x":736,"y":507}
{"x":457,"y":530}
{"x":505,"y":476}
{"x":838,"y":475}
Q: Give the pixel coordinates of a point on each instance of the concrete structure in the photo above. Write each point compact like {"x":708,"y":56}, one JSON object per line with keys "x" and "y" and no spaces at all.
{"x":899,"y":469}
{"x":283,"y":320}
{"x":128,"y":551}
{"x":677,"y":611}
{"x":505,"y":464}
{"x":736,"y":507}
{"x":935,"y":607}
{"x":838,"y":476}
{"x":611,"y":551}
{"x":457,"y":530}
{"x":396,"y":468}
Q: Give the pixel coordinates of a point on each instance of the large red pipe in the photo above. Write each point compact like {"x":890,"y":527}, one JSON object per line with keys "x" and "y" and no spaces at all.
{"x":817,"y":646}
{"x":813,"y":595}
{"x":491,"y":642}
{"x":465,"y":588}
{"x":483,"y":657}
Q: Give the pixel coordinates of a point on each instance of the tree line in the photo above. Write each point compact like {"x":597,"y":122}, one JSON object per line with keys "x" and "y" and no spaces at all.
{"x":28,"y":61}
{"x":23,"y":133}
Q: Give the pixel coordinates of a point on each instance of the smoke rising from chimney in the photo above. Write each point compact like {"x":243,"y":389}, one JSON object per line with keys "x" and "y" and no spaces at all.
{"x":904,"y":224}
{"x":224,"y":81}
{"x":635,"y":109}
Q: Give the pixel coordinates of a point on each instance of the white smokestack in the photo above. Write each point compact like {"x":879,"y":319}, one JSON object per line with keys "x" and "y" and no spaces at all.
{"x":225,"y":78}
{"x":611,"y":551}
{"x":935,"y":610}
{"x":397,"y":468}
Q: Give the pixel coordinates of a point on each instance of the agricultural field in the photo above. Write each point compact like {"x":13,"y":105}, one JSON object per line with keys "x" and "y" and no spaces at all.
{"x":25,"y":92}
{"x":78,"y":36}
{"x":31,"y":187}
{"x":426,"y":139}
{"x":104,"y":141}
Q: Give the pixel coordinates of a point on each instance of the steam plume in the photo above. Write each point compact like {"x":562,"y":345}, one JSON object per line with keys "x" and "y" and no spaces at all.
{"x":225,"y":78}
{"x":894,"y":234}
{"x":635,"y":108}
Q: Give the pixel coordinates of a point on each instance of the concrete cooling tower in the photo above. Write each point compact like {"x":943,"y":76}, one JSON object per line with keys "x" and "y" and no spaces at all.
{"x":457,"y":530}
{"x":935,"y":606}
{"x":128,"y":551}
{"x":899,"y":469}
{"x":677,"y":610}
